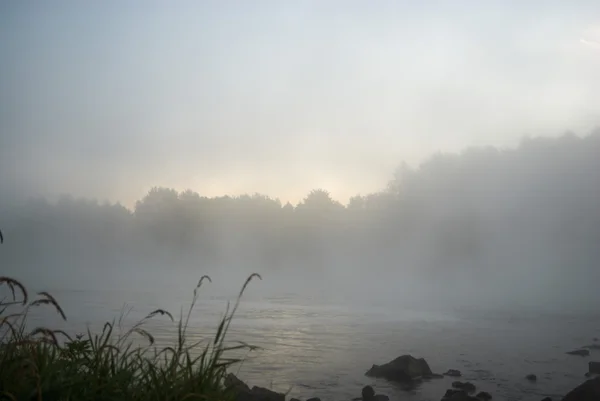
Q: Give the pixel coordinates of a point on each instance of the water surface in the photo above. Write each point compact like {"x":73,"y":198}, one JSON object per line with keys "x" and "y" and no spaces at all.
{"x":322,"y":346}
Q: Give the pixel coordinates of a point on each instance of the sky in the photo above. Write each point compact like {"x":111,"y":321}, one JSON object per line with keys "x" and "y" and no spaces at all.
{"x":108,"y":99}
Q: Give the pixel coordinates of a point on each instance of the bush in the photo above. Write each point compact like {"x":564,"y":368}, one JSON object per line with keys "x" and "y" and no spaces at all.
{"x":45,"y":364}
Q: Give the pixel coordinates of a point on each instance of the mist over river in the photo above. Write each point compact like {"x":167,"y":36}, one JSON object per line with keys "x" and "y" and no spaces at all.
{"x":413,"y":178}
{"x":321,"y":345}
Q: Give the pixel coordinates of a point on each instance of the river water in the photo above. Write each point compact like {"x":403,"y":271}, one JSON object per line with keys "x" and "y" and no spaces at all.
{"x":322,"y":347}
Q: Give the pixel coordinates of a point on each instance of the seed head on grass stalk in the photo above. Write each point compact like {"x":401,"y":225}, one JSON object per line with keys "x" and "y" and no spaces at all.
{"x":12,"y":284}
{"x":34,"y":365}
{"x":48,"y":299}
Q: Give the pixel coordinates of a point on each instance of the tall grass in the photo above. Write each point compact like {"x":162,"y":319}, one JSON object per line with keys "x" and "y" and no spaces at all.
{"x":46,"y":364}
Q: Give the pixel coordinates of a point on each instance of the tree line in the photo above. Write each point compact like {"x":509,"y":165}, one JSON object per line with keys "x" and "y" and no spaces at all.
{"x":476,"y":211}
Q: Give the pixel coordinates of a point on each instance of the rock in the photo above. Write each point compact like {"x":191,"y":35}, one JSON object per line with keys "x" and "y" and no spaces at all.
{"x":457,"y":395}
{"x":264,"y":394}
{"x":453,"y":373}
{"x":434,"y":376}
{"x":531,"y":377}
{"x":402,"y":369}
{"x":484,"y":396}
{"x":294,"y":399}
{"x":588,"y":391}
{"x":594,"y":368}
{"x":368,"y":394}
{"x":580,"y":352}
{"x":232,"y":381}
{"x":592,"y":346}
{"x":244,"y":393}
{"x":314,"y":399}
{"x":547,"y":399}
{"x":450,"y":392}
{"x":465,"y":386}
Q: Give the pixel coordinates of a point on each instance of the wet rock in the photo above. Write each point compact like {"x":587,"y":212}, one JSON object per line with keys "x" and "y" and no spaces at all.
{"x":580,"y":352}
{"x":594,"y":368}
{"x":531,"y":377}
{"x":465,"y":386}
{"x":368,"y":394}
{"x":484,"y":396}
{"x":405,"y":368}
{"x":450,"y":392}
{"x":264,"y":394}
{"x":314,"y":399}
{"x":457,"y":395}
{"x":588,"y":391}
{"x":232,"y":381}
{"x":243,"y":393}
{"x":453,"y":373}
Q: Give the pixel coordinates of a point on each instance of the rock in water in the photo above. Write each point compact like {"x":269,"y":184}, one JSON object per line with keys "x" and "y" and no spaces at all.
{"x":466,"y":386}
{"x":580,"y":352}
{"x":368,"y":394}
{"x":588,"y":391}
{"x":483,"y":396}
{"x":244,"y":393}
{"x":453,"y":373}
{"x":264,"y":394}
{"x":458,"y":395}
{"x":402,"y":369}
{"x":232,"y":381}
{"x":594,"y":367}
{"x":450,"y":392}
{"x":531,"y":377}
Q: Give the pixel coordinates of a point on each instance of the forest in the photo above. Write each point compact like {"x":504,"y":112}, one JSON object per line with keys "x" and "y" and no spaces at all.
{"x":483,"y":212}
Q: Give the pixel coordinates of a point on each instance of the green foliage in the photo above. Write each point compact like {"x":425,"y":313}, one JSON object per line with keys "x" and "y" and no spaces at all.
{"x":45,"y":364}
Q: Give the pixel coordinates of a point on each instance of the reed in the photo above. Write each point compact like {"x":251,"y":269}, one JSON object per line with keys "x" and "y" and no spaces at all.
{"x":46,"y":364}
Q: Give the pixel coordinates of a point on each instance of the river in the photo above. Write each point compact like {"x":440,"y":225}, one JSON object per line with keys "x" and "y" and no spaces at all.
{"x":322,"y":347}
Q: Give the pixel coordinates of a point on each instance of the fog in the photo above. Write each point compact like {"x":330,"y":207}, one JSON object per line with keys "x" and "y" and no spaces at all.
{"x":387,"y":154}
{"x":484,"y":228}
{"x":110,"y":99}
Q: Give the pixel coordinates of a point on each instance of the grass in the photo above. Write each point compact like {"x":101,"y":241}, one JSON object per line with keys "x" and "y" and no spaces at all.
{"x":46,"y":364}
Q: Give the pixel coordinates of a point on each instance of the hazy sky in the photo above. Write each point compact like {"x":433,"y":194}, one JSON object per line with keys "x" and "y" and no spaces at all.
{"x":109,"y":98}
